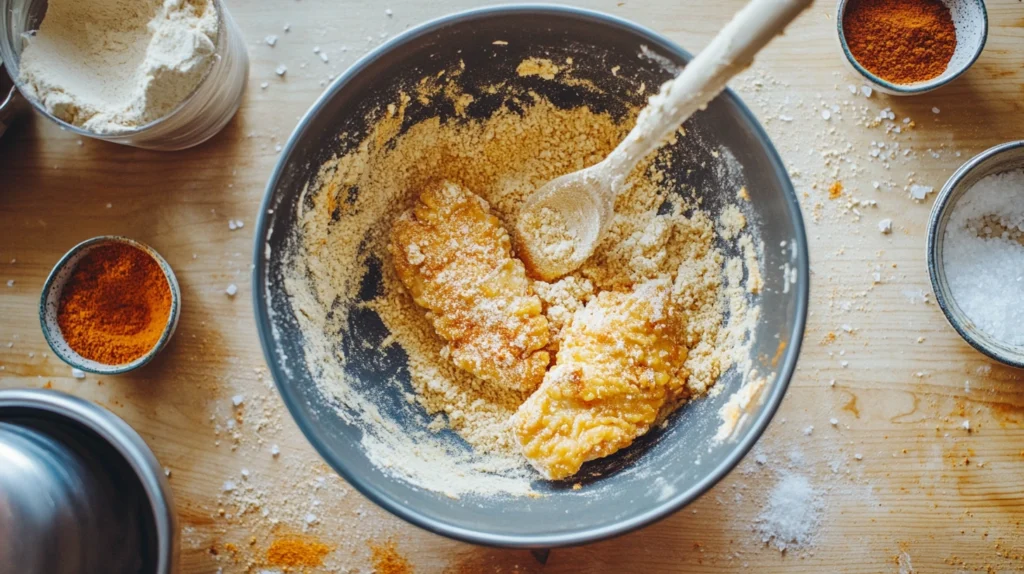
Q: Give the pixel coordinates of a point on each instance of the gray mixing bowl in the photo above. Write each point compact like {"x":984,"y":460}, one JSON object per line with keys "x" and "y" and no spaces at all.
{"x":664,"y":470}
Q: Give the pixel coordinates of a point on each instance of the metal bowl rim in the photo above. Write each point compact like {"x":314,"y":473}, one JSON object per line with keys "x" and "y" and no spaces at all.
{"x":578,"y":535}
{"x":172,"y":317}
{"x":908,"y":89}
{"x":127,"y":442}
{"x":935,"y":262}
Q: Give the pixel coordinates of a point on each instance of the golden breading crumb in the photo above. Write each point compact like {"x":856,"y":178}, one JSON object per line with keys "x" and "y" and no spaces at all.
{"x":619,"y":368}
{"x":456,"y":260}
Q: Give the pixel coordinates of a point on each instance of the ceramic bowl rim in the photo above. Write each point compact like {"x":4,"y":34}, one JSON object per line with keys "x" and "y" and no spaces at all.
{"x":936,"y":264}
{"x":919,"y":87}
{"x":172,"y":317}
{"x":580,"y":535}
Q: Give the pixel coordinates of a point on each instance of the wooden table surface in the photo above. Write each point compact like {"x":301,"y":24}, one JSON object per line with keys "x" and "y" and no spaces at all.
{"x":926,"y":495}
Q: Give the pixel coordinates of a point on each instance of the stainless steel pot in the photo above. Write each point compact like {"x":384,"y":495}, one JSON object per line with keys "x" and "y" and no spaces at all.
{"x":80,"y":492}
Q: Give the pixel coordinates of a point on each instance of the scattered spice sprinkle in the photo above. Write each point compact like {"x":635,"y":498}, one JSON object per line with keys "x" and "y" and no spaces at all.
{"x":115,"y":305}
{"x":297,"y":551}
{"x":387,"y":560}
{"x":902,"y":41}
{"x":835,"y":191}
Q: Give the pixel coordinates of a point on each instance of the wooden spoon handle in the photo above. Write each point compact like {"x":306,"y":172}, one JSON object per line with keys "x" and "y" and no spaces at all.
{"x":728,"y":54}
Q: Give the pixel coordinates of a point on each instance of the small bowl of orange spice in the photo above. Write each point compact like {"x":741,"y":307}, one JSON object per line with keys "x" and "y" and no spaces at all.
{"x":109,"y":305}
{"x":906,"y":47}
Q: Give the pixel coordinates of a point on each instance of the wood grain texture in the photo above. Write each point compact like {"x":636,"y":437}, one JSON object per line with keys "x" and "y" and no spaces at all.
{"x":945,"y":498}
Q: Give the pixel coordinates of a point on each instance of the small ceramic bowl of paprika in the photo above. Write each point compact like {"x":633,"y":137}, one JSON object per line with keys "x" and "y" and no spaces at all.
{"x":969,"y":20}
{"x":109,"y":305}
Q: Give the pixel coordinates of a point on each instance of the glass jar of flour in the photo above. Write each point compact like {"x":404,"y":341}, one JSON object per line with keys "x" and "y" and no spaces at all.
{"x":155,"y":74}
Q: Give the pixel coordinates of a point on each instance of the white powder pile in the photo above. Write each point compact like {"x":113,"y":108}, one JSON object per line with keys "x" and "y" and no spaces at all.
{"x":792,"y":516}
{"x":109,"y":66}
{"x":984,"y":255}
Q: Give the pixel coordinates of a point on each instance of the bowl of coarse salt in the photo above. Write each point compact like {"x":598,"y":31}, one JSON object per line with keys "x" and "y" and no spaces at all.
{"x":976,"y":252}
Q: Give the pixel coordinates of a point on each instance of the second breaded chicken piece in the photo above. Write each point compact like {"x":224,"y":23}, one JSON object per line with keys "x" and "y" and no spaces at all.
{"x":456,"y":259}
{"x":620,"y":364}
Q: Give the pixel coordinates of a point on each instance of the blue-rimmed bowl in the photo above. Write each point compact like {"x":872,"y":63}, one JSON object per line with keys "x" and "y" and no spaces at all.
{"x":661,"y":472}
{"x":50,"y":302}
{"x":971,"y":21}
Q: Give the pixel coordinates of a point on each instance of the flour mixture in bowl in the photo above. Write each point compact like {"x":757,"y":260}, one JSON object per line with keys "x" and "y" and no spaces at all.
{"x":409,"y":230}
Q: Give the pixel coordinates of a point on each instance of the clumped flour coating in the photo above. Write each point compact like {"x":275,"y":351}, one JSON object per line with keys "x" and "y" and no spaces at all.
{"x":344,"y":229}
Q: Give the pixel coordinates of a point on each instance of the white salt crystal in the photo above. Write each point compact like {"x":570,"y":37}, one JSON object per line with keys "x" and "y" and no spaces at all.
{"x":935,"y":110}
{"x":281,"y":70}
{"x":245,"y":473}
{"x":231,"y":290}
{"x":388,"y":12}
{"x":271,"y":40}
{"x":885,"y":226}
{"x":310,"y":518}
{"x":761,"y":459}
{"x":867,"y":91}
{"x":323,"y":56}
{"x":852,"y":88}
{"x":231,"y":225}
{"x":228,"y":486}
{"x":809,"y":430}
{"x":237,"y":400}
{"x":274,"y":450}
{"x":858,"y":456}
{"x":264,"y":85}
{"x":920,"y":192}
{"x":986,"y":275}
{"x":76,"y":373}
{"x":826,"y":115}
{"x":316,"y":49}
{"x":967,"y":425}
{"x":287,"y":27}
{"x":833,"y":421}
{"x":785,"y":118}
{"x":10,"y":282}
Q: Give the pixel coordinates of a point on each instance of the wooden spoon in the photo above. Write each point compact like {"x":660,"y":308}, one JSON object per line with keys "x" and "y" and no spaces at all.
{"x":561,"y":223}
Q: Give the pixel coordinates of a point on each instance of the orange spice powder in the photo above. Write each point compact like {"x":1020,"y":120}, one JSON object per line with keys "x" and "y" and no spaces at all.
{"x":294,"y":551}
{"x":115,"y":305}
{"x":387,"y":560}
{"x":902,"y":41}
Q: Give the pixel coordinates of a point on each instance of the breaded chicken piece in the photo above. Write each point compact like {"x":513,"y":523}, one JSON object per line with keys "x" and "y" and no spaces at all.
{"x":456,"y":260}
{"x":618,"y":369}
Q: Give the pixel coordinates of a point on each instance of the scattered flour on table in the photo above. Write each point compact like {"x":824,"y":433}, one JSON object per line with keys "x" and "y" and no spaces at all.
{"x":344,"y":224}
{"x":983,"y":255}
{"x":792,"y":515}
{"x":109,"y":66}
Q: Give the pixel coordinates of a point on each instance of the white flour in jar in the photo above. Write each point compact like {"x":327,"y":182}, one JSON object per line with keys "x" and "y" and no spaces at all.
{"x":983,"y":255}
{"x":110,"y":66}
